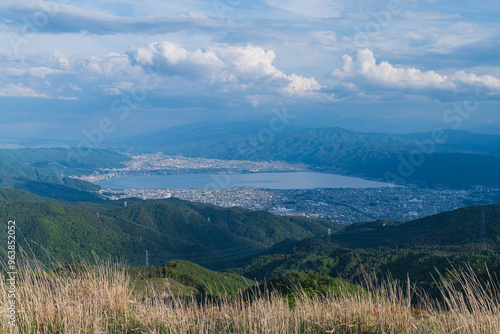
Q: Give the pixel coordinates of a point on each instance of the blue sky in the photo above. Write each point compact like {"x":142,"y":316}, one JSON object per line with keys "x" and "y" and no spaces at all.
{"x":382,"y":66}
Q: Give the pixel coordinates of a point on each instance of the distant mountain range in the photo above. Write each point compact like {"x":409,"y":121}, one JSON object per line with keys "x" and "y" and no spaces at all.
{"x":448,"y":158}
{"x":455,"y":159}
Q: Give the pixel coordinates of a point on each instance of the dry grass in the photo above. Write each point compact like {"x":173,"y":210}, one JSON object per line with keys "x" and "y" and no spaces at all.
{"x":99,"y":299}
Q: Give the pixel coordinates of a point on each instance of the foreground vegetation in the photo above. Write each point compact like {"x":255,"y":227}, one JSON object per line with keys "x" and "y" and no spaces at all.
{"x":102,"y":299}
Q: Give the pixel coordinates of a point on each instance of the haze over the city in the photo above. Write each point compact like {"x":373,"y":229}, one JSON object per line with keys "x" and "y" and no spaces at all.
{"x":380,"y":66}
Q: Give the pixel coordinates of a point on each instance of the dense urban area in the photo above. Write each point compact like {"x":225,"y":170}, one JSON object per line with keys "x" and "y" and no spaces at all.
{"x":161,"y":164}
{"x":343,"y":205}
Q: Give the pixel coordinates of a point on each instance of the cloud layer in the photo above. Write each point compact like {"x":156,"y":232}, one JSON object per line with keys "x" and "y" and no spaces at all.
{"x":243,"y":71}
{"x":57,"y":17}
{"x":361,"y":59}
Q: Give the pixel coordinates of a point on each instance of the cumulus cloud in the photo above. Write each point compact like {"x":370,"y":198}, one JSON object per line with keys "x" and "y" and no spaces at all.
{"x":299,"y":85}
{"x":365,"y":66}
{"x":488,"y":81}
{"x":365,"y":69}
{"x":242,"y":68}
{"x":236,"y":73}
{"x":176,"y":60}
{"x":112,"y":66}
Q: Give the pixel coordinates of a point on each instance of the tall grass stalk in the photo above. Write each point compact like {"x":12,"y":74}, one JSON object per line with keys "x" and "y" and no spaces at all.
{"x":101,"y":299}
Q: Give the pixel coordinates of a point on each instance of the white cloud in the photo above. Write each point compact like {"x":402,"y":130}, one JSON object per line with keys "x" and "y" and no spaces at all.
{"x":243,"y":68}
{"x":365,"y":66}
{"x":460,"y":34}
{"x":300,"y":85}
{"x":176,"y":60}
{"x":61,"y":60}
{"x":249,"y":62}
{"x":18,"y":90}
{"x":113,"y":67}
{"x":365,"y":69}
{"x":232,"y":72}
{"x":488,"y":81}
{"x":75,"y":88}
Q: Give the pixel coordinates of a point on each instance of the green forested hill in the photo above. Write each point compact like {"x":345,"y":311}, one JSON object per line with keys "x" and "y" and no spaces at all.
{"x":69,"y":190}
{"x":447,"y":241}
{"x":455,"y":228}
{"x":256,"y":244}
{"x":27,"y":162}
{"x":194,"y":222}
{"x":190,"y":278}
{"x":9,"y":196}
{"x":45,"y":171}
{"x":166,"y":229}
{"x":354,"y":265}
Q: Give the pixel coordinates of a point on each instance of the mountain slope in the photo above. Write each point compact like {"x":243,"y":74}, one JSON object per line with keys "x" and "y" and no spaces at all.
{"x":9,"y":196}
{"x":166,"y":229}
{"x":186,"y":278}
{"x":454,"y":228}
{"x":448,"y":241}
{"x":57,"y":191}
{"x":451,"y":158}
{"x":23,"y":168}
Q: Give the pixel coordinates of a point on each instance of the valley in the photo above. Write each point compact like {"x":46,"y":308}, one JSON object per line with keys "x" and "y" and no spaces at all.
{"x":217,"y":244}
{"x":345,"y":204}
{"x":253,"y":167}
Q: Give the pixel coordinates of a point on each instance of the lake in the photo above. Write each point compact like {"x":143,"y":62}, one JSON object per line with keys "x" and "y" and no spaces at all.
{"x":289,"y":180}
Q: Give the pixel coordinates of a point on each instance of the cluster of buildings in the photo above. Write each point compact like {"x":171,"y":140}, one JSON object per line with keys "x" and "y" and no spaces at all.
{"x":345,"y":205}
{"x":341,"y":205}
{"x":161,"y":164}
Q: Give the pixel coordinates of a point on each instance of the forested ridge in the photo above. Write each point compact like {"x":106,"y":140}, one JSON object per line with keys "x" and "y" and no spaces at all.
{"x":256,"y":244}
{"x":50,"y":172}
{"x":167,"y":229}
